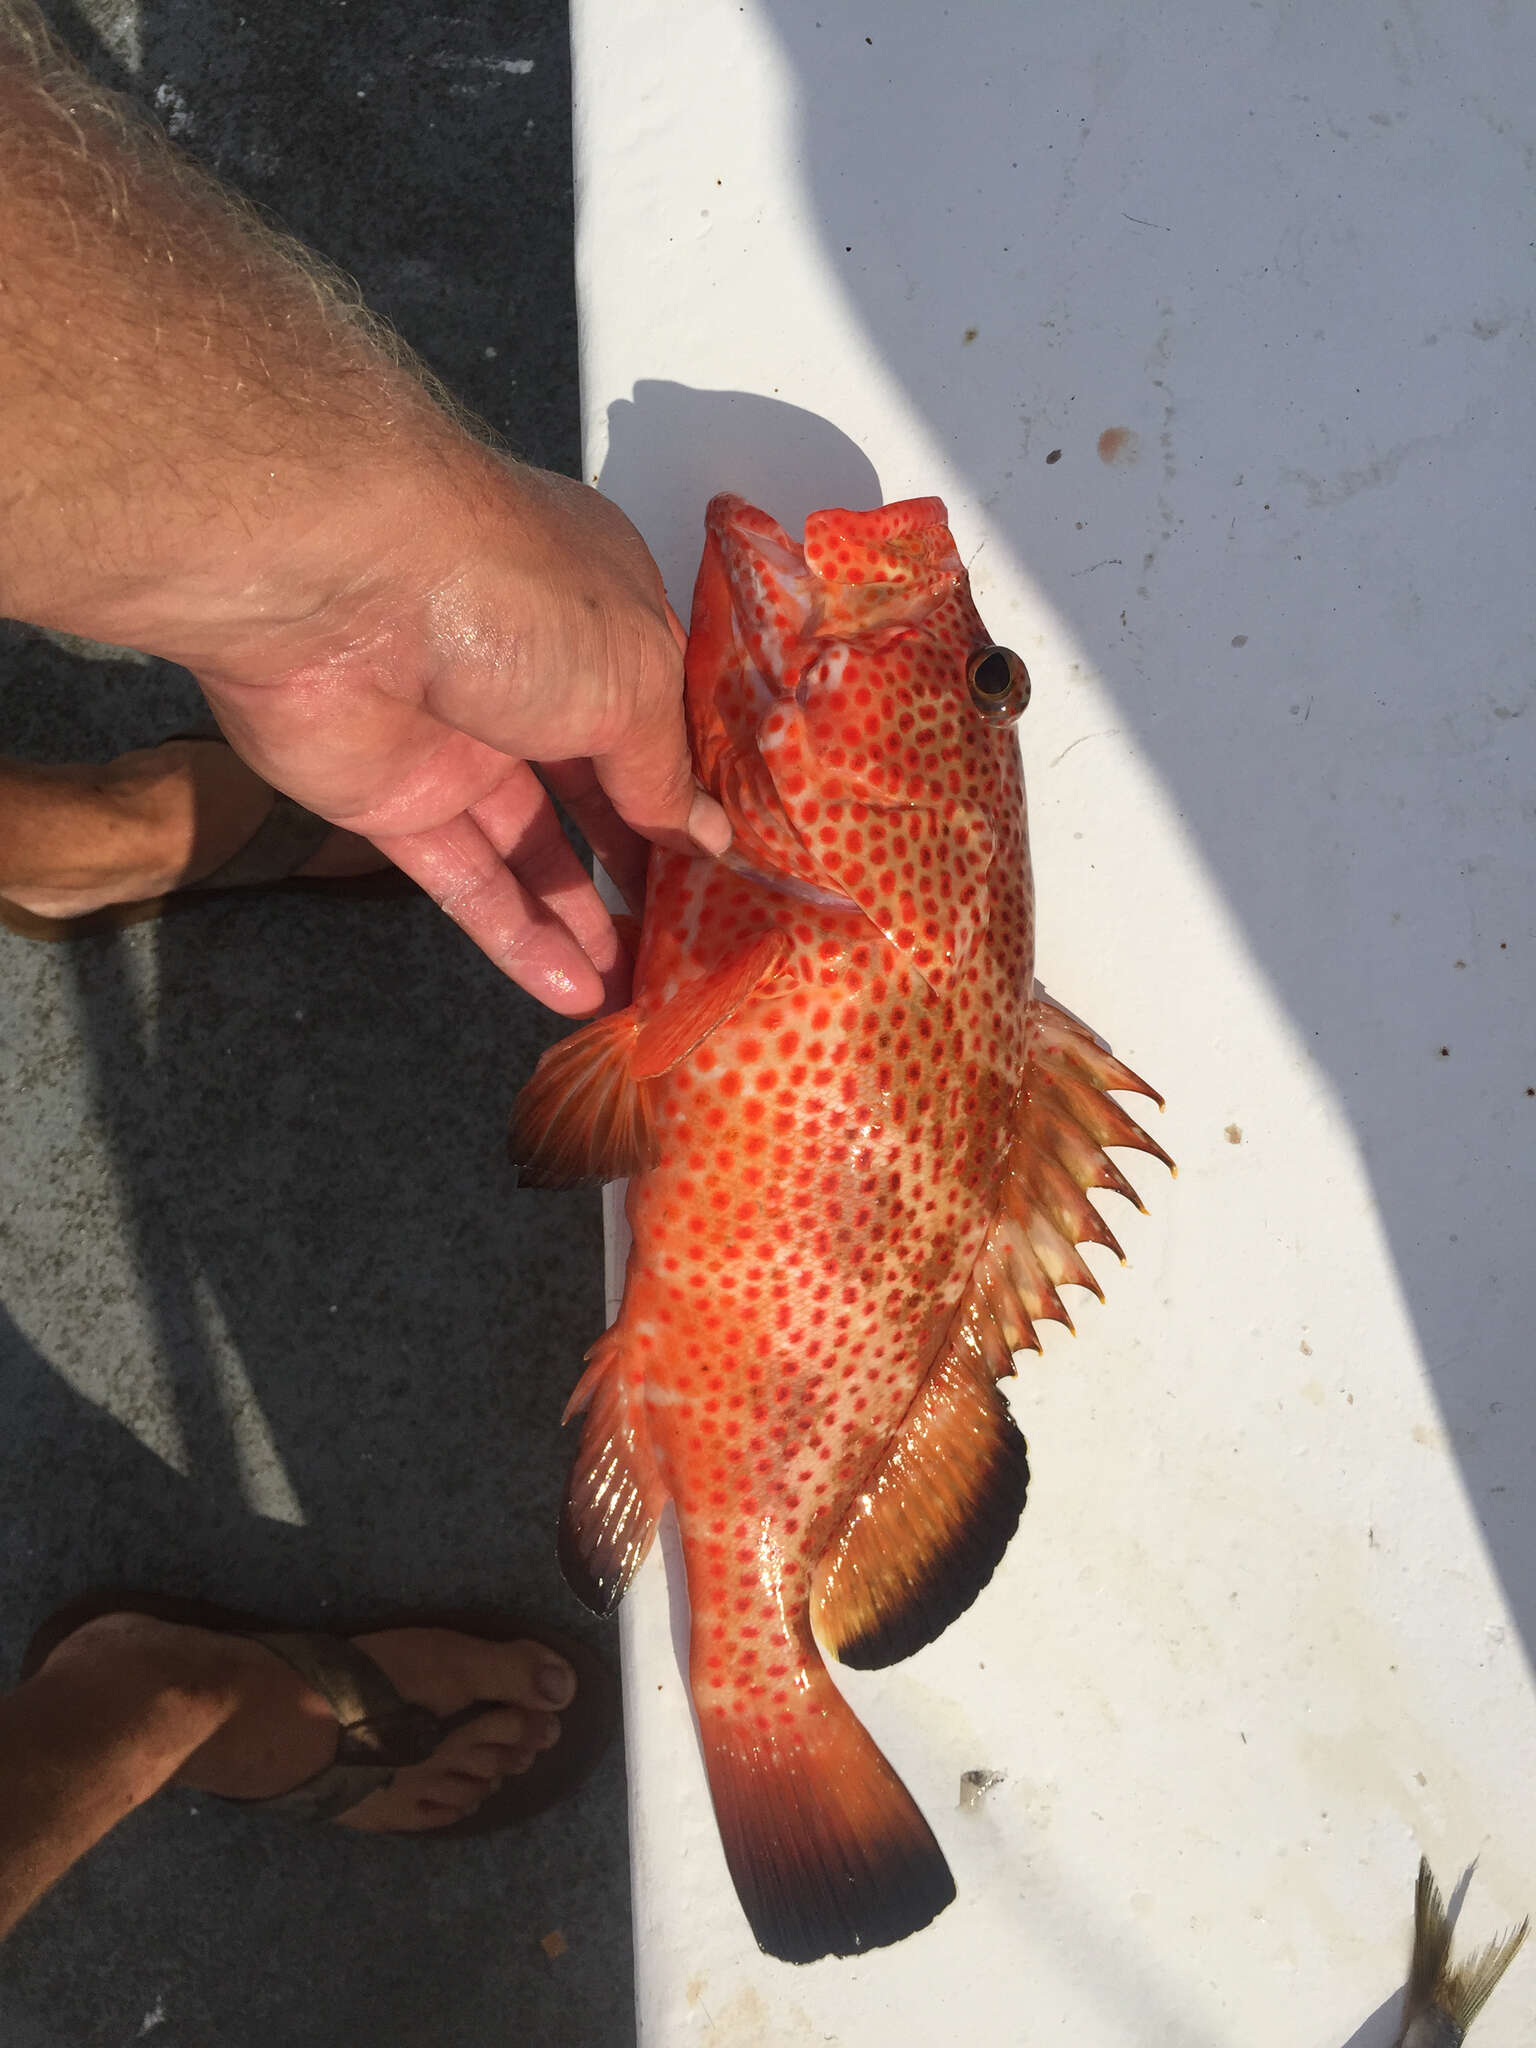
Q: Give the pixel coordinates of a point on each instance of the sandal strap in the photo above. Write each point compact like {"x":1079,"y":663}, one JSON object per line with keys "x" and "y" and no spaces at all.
{"x":285,"y":839}
{"x":380,"y":1732}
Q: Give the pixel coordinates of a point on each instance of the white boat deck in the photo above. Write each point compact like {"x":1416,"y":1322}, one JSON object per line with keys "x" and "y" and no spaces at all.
{"x":1262,"y":276}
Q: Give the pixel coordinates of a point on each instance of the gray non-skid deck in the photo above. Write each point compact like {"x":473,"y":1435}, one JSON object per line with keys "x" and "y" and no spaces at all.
{"x":277,"y":1328}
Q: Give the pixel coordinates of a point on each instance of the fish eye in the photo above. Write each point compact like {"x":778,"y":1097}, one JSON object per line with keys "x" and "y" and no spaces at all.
{"x":999,"y":683}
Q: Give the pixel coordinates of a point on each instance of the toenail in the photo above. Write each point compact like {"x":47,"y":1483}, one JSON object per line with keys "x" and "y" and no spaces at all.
{"x":556,"y":1683}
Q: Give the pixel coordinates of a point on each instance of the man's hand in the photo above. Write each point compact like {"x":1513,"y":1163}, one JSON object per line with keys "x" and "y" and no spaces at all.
{"x":522,"y":625}
{"x":212,"y":454}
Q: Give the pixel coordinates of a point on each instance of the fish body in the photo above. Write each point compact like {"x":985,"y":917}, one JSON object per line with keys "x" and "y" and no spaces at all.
{"x":1444,"y":1998}
{"x":858,"y":1146}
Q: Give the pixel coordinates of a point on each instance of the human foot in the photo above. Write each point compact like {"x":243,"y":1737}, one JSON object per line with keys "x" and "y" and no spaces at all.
{"x":79,"y":837}
{"x":263,"y":1731}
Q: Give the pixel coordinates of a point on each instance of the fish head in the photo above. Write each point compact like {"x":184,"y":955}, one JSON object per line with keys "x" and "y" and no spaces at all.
{"x":855,"y":719}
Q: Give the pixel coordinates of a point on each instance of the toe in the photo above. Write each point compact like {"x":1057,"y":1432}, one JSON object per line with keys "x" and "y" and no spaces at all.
{"x":446,"y":1671}
{"x":522,"y":1685}
{"x":524,"y":1674}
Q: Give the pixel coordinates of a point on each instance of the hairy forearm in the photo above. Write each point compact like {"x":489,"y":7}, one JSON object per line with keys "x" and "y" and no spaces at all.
{"x":181,"y":389}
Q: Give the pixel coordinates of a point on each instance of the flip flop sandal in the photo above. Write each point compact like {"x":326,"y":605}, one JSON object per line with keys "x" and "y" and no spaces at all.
{"x":268,"y":862}
{"x":381,"y":1733}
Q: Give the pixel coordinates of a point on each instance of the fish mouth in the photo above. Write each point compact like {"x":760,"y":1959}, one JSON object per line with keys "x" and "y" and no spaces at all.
{"x":857,"y":576}
{"x":773,"y":597}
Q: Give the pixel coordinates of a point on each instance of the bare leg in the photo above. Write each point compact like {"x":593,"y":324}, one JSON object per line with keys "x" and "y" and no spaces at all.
{"x":127,"y":1704}
{"x":74,"y":838}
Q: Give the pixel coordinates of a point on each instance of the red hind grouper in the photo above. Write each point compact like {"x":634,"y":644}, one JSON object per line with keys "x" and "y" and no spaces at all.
{"x":858,"y":1144}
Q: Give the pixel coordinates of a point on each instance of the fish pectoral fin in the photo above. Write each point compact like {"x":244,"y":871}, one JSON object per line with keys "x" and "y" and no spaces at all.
{"x":616,"y":1494}
{"x":585,"y":1115}
{"x":581,"y":1118}
{"x":1065,"y":1119}
{"x":669,"y":1034}
{"x":931,"y":1526}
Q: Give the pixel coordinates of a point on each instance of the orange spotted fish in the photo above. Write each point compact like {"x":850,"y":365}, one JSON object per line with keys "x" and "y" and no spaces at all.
{"x":858,"y":1144}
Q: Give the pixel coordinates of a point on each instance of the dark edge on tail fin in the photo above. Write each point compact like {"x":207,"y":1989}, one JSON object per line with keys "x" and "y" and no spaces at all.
{"x":821,"y":1867}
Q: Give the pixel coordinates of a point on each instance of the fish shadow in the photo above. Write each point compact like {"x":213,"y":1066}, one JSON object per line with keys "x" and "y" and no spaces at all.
{"x":672,"y":447}
{"x":1380,"y":2029}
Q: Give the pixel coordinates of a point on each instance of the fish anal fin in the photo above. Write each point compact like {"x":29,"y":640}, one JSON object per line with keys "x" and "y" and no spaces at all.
{"x":933,"y":1521}
{"x":616,"y":1494}
{"x":586,"y":1115}
{"x":825,"y":1845}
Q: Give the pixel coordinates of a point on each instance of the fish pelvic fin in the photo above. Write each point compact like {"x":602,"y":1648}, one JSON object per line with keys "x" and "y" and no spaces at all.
{"x":1458,"y":1992}
{"x":616,"y":1493}
{"x":586,"y":1114}
{"x":825,"y":1845}
{"x":931,"y":1525}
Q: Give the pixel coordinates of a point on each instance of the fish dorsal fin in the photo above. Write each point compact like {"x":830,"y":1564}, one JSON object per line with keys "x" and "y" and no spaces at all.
{"x":616,"y":1493}
{"x":934,"y":1520}
{"x":930,"y":1528}
{"x":1065,"y":1118}
{"x":585,"y":1114}
{"x":914,"y":860}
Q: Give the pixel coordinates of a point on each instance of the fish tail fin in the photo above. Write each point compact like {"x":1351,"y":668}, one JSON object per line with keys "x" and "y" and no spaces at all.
{"x":1458,"y":1991}
{"x":1471,"y":1983}
{"x":1431,"y":1940}
{"x":826,"y":1847}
